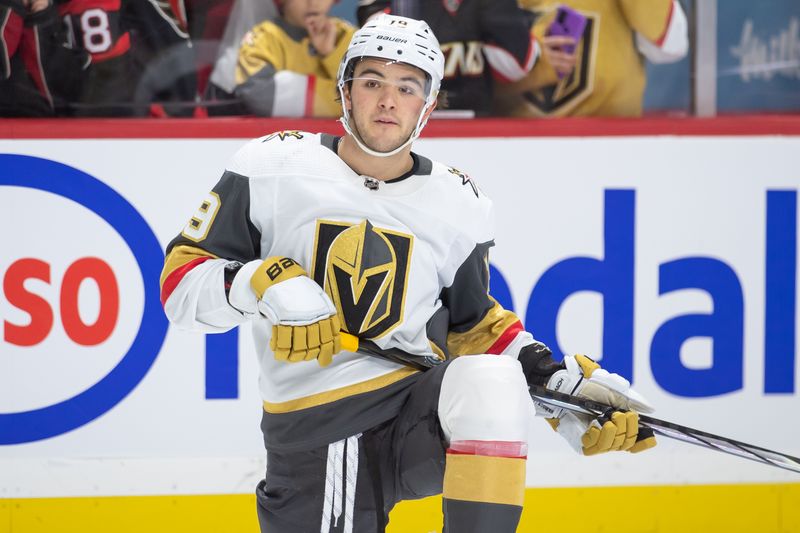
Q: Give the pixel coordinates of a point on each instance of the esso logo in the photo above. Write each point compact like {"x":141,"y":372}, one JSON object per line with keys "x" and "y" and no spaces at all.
{"x":38,"y":308}
{"x":80,"y":318}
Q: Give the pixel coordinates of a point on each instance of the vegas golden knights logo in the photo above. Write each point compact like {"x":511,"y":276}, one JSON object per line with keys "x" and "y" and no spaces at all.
{"x":575,"y":88}
{"x":364,"y":270}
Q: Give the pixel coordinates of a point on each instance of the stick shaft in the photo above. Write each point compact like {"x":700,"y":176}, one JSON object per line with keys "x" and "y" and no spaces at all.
{"x":664,"y":428}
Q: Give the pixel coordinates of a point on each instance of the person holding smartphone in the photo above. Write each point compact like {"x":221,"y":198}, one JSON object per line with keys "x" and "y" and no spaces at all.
{"x":593,"y":56}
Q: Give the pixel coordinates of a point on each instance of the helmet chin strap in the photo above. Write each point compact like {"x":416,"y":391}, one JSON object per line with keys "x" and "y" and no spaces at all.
{"x":361,"y":144}
{"x":345,"y":120}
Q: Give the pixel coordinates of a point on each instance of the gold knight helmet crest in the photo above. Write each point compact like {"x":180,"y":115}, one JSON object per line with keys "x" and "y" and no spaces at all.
{"x":364,"y":270}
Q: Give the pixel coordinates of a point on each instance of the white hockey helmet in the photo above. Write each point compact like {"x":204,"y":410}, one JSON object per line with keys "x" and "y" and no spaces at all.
{"x":398,"y":40}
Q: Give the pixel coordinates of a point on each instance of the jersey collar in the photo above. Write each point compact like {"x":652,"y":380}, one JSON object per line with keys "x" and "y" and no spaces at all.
{"x":422,"y":166}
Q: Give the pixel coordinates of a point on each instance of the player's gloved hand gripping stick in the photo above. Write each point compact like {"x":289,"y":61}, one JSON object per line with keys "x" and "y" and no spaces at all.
{"x":596,"y":409}
{"x":616,"y":430}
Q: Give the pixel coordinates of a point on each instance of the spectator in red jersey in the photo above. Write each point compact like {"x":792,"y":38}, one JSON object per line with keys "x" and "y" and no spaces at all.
{"x":39,"y":73}
{"x":140,"y":52}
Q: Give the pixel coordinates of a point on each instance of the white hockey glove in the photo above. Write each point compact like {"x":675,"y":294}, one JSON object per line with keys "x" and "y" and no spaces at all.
{"x":580,"y":376}
{"x":305,"y":323}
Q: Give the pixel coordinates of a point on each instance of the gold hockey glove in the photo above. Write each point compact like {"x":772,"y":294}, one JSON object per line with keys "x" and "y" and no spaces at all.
{"x":305,"y":325}
{"x":583,"y":377}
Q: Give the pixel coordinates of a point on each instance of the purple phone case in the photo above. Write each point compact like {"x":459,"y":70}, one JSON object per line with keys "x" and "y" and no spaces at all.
{"x":568,"y":22}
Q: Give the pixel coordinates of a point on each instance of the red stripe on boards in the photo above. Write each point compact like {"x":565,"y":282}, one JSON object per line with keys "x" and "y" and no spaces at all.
{"x":251,"y":127}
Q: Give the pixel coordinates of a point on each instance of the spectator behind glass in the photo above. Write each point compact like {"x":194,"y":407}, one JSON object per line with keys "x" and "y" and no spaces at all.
{"x":287,"y":65}
{"x":140,"y":53}
{"x":243,"y":16}
{"x":206,"y":21}
{"x":480,"y":39}
{"x":39,"y":74}
{"x":605,"y":76}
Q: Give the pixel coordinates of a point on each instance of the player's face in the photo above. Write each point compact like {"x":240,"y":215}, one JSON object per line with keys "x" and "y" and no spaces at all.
{"x":385,"y":101}
{"x":301,"y":13}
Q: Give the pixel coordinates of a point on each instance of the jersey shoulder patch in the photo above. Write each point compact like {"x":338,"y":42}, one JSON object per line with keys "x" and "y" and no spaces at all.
{"x":284,"y":135}
{"x":282,"y":154}
{"x":269,"y":154}
{"x":456,"y":180}
{"x":462,"y":203}
{"x":466,"y":181}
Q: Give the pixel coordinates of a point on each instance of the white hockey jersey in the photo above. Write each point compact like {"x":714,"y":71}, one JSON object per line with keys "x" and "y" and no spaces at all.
{"x":405,"y":263}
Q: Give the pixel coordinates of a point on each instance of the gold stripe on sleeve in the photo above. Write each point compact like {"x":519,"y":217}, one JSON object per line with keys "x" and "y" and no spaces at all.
{"x":478,"y":339}
{"x":179,"y":256}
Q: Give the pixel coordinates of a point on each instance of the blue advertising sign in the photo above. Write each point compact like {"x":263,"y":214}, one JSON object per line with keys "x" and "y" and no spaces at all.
{"x":89,"y":192}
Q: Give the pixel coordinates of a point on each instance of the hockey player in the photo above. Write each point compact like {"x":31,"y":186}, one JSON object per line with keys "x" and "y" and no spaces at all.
{"x":483,"y":41}
{"x":306,"y":235}
{"x":609,"y":77}
{"x":287,"y":65}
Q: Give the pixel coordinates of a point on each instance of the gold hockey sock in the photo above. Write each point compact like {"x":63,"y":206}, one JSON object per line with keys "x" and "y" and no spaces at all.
{"x":484,"y":487}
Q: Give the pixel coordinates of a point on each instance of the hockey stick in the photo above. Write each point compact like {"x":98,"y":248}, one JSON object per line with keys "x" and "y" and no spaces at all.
{"x":351,"y":343}
{"x":673,"y":431}
{"x":670,"y":430}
